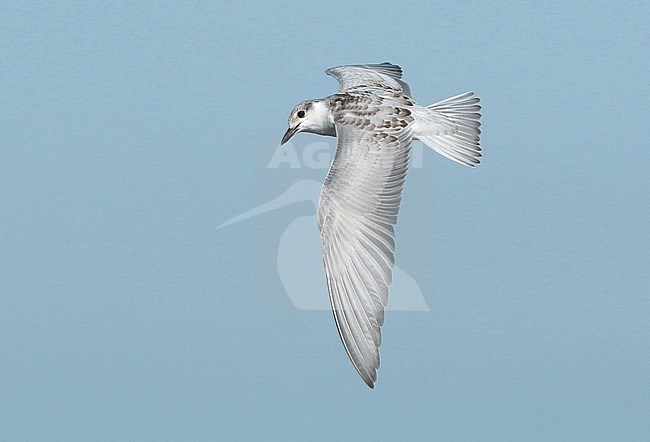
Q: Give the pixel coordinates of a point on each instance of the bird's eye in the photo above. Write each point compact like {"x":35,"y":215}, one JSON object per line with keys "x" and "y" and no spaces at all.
{"x":301,"y":114}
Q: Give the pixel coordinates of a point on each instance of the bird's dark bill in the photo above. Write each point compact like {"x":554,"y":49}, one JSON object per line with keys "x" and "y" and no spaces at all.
{"x":290,"y":133}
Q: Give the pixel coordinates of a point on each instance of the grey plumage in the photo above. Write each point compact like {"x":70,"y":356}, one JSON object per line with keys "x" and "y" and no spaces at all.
{"x":375,"y":121}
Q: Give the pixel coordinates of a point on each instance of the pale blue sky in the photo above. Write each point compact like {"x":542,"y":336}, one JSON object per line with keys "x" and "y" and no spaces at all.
{"x":129,"y":131}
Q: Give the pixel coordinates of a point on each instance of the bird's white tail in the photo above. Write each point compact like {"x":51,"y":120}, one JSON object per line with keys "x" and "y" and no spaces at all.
{"x":452,"y":128}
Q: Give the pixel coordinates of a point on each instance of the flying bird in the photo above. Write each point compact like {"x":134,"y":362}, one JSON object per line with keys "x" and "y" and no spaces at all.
{"x":375,"y":120}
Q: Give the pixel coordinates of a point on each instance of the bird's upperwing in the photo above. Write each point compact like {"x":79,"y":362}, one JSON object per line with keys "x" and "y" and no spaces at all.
{"x":358,"y":207}
{"x":384,"y":76}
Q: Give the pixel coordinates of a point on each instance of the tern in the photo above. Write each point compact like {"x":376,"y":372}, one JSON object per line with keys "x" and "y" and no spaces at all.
{"x":375,"y":119}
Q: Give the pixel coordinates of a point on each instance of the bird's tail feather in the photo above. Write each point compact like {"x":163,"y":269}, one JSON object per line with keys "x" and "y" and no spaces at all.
{"x":462,"y":144}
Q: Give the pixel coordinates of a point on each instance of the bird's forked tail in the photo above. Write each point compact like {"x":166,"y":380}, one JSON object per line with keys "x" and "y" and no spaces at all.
{"x":452,"y":128}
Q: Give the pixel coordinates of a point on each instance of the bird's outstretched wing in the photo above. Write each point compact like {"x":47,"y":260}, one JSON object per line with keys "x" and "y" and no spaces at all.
{"x":384,"y":76}
{"x":357,"y":210}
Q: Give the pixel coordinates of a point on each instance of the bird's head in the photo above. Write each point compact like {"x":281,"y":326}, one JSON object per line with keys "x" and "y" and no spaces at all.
{"x":309,"y":116}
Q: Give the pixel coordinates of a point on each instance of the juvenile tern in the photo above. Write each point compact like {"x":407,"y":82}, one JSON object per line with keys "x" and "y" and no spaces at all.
{"x":375,"y":119}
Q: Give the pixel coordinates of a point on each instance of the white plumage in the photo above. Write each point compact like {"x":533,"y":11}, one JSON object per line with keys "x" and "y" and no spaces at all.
{"x":375,"y":120}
